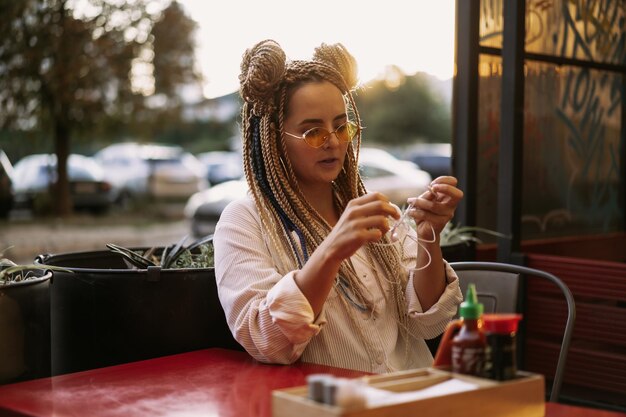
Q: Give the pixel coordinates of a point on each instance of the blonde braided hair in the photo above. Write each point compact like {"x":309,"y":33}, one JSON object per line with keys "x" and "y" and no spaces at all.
{"x":266,"y":80}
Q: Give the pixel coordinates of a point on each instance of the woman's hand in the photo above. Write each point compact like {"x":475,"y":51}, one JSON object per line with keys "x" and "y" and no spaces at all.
{"x":436,"y":206}
{"x":364,"y":220}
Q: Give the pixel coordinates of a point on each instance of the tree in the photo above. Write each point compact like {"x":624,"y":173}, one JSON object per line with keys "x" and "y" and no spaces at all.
{"x":176,"y":79}
{"x":403,"y":109}
{"x":69,"y":66}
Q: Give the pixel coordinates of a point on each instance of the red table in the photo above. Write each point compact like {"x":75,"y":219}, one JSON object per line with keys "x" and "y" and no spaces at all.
{"x":208,"y":383}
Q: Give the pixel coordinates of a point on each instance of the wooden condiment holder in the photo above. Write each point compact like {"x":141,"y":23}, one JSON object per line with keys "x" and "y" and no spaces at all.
{"x":522,"y":396}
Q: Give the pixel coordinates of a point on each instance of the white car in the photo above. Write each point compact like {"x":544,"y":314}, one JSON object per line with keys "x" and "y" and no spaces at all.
{"x":204,"y":208}
{"x":221,"y":166}
{"x":396,"y":178}
{"x":152,"y":170}
{"x":34,"y":176}
{"x":381,"y":171}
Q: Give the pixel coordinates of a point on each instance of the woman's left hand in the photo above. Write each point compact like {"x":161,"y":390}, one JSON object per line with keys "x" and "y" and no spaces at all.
{"x":436,"y":206}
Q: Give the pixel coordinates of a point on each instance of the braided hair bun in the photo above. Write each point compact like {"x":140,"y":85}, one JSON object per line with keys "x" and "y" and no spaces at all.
{"x":262,"y":70}
{"x":338,"y":57}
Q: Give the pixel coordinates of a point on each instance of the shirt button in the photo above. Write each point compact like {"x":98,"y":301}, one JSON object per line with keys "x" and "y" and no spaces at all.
{"x":379,"y":358}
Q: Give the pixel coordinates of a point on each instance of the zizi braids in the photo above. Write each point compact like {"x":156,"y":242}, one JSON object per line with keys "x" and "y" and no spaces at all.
{"x":266,"y":80}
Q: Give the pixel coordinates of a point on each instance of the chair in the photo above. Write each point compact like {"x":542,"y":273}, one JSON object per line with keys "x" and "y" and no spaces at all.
{"x":497,"y":287}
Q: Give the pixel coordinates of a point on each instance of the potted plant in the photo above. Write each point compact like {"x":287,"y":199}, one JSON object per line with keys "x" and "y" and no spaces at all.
{"x":456,"y":241}
{"x":127,"y":304}
{"x":198,"y":254}
{"x":24,"y":321}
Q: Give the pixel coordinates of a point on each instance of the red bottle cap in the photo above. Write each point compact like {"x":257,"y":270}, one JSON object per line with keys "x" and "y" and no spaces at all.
{"x":501,"y":323}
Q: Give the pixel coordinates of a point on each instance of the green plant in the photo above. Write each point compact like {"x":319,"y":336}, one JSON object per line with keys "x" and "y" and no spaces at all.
{"x":455,"y":234}
{"x":10,"y":272}
{"x":199,"y":254}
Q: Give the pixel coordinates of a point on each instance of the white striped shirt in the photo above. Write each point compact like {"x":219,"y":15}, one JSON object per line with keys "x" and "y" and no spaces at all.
{"x":271,"y":318}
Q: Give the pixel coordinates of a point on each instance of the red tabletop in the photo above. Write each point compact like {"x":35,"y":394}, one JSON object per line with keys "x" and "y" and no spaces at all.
{"x":211,"y":382}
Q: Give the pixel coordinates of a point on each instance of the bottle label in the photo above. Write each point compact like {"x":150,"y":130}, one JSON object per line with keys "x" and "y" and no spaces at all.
{"x":468,"y":360}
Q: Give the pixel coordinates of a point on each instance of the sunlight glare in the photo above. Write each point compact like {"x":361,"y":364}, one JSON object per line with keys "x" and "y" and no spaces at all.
{"x":412,"y":35}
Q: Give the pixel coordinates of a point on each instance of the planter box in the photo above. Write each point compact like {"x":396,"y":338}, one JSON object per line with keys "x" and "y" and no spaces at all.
{"x":104,"y":313}
{"x":25,"y":329}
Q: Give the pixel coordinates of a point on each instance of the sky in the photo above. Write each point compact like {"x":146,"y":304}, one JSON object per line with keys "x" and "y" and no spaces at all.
{"x":415,"y":35}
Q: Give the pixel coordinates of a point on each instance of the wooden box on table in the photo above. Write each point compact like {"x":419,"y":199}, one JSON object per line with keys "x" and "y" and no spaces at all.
{"x":522,"y":396}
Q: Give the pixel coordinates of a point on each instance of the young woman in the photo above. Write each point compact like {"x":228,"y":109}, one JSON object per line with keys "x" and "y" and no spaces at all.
{"x":304,"y":269}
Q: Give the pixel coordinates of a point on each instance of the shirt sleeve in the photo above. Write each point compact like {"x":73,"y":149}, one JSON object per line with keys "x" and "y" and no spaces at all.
{"x":291,"y":311}
{"x":431,"y":323}
{"x":265,"y":310}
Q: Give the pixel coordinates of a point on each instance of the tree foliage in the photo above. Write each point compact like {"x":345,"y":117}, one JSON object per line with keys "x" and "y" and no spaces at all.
{"x":70,"y":67}
{"x":403,"y":109}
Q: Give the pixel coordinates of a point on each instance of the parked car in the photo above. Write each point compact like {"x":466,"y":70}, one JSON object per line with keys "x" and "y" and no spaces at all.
{"x":152,"y":171}
{"x":434,"y":158}
{"x":6,"y":185}
{"x":204,"y":208}
{"x":397,"y":179}
{"x":221,"y":166}
{"x":35,"y":175}
{"x":381,"y":171}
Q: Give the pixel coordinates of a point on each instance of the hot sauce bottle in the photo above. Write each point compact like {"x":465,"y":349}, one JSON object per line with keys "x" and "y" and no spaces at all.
{"x":468,"y":346}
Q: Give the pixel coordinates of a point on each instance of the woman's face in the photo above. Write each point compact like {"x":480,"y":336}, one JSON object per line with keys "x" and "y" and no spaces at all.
{"x":315,"y":104}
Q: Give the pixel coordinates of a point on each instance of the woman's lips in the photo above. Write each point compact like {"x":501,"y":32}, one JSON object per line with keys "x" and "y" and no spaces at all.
{"x":329,"y":161}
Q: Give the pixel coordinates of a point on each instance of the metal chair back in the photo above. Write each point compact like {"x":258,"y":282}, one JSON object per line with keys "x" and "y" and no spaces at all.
{"x":497,"y":286}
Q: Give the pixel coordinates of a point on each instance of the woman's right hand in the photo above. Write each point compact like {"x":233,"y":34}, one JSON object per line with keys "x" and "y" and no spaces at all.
{"x":365,"y":219}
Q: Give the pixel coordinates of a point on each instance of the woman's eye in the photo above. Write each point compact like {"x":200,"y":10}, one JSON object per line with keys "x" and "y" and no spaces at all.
{"x":314,"y":132}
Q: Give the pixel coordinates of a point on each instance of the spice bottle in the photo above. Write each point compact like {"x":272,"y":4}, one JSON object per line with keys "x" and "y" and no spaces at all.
{"x":500,"y":331}
{"x":468,"y":346}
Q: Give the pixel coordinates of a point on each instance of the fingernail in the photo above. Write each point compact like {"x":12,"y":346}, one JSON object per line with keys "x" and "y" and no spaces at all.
{"x":431,"y":189}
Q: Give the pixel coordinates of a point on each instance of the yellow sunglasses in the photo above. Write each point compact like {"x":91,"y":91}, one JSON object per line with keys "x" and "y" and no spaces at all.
{"x":318,"y":136}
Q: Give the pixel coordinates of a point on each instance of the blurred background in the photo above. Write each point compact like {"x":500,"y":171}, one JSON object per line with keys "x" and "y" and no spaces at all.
{"x":119,"y":124}
{"x":122,"y":113}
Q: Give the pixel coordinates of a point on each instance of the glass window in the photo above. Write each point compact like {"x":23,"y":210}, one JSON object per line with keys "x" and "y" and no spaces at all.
{"x":571,"y":151}
{"x":584,"y":30}
{"x":572,"y":118}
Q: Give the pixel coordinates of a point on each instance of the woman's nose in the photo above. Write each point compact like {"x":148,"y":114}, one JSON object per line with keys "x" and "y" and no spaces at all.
{"x":332,"y":140}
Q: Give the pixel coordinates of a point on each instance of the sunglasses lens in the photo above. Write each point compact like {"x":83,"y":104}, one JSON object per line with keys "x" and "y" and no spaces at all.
{"x":351,"y":129}
{"x":316,"y":137}
{"x":347,"y":131}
